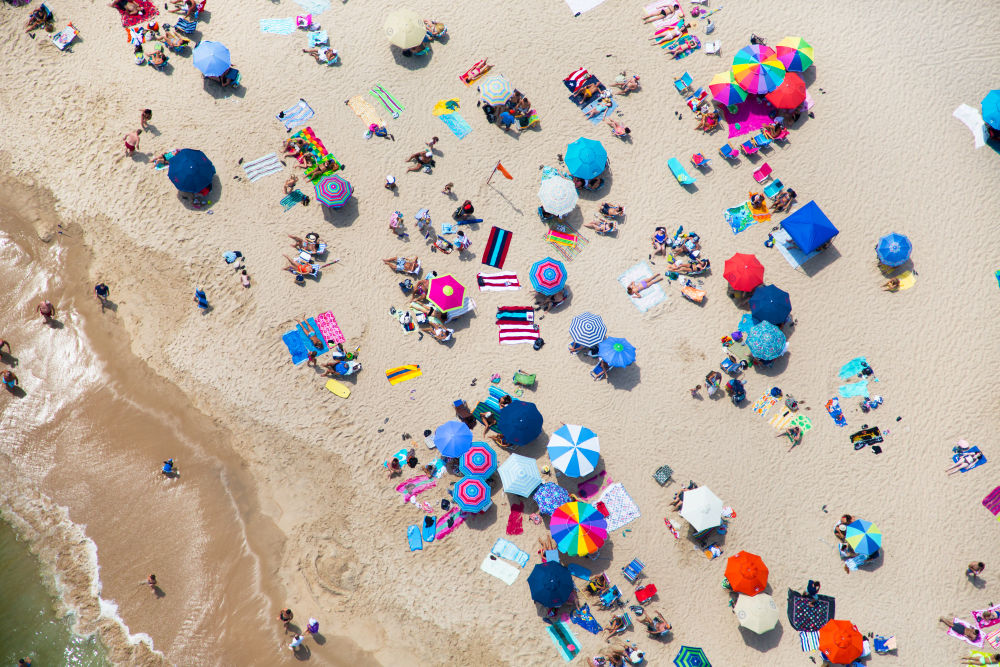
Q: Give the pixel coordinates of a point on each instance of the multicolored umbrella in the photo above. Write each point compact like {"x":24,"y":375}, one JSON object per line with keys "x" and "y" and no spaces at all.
{"x":587,"y":329}
{"x":190,"y":170}
{"x":586,"y":158}
{"x":548,"y":276}
{"x":991,"y":109}
{"x":453,"y":438}
{"x":841,"y":642}
{"x":757,"y":70}
{"x":479,"y":461}
{"x":795,"y":53}
{"x":766,"y":341}
{"x":471,"y":494}
{"x":520,"y":422}
{"x":550,"y":584}
{"x":404,"y":28}
{"x":746,"y":572}
{"x":893,"y":249}
{"x":333,"y":191}
{"x":743,"y":272}
{"x":211,"y":58}
{"x":445,"y":293}
{"x":558,"y":195}
{"x":725,"y":90}
{"x":756,"y":613}
{"x":770,"y":303}
{"x":550,"y":497}
{"x":574,"y":450}
{"x":519,"y":475}
{"x":864,"y":537}
{"x":692,"y":656}
{"x":617,"y":352}
{"x":702,"y":508}
{"x":790,"y":94}
{"x":495,"y":89}
{"x":578,"y":528}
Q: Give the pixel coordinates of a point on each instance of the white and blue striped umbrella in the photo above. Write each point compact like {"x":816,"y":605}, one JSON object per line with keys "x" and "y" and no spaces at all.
{"x":574,"y":450}
{"x":587,"y":329}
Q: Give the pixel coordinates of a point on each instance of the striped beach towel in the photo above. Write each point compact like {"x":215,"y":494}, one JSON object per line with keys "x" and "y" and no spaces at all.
{"x":391,"y":104}
{"x":513,"y":334}
{"x":403,"y":373}
{"x":568,"y":252}
{"x":781,"y":418}
{"x":515,"y":314}
{"x":556,"y":237}
{"x":809,"y":641}
{"x":507,"y":549}
{"x":262,"y":166}
{"x":498,"y":282}
{"x":496,"y":247}
{"x":295,"y":115}
{"x":576,"y":79}
{"x":365,"y":111}
{"x":278,"y":26}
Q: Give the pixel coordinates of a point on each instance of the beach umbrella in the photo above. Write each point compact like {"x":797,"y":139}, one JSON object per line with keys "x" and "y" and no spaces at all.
{"x":770,"y":303}
{"x":586,"y":158}
{"x":520,"y":422}
{"x":702,"y":508}
{"x":809,"y":227}
{"x":558,"y":195}
{"x":757,"y":70}
{"x":550,"y":584}
{"x":757,"y":613}
{"x":495,"y":89}
{"x":453,"y":438}
{"x":743,"y":272}
{"x":746,"y":572}
{"x":795,"y":53}
{"x":617,"y":352}
{"x":725,"y":90}
{"x":766,"y":341}
{"x":840,"y":642}
{"x":479,"y":461}
{"x":578,"y":528}
{"x":190,"y":171}
{"x":211,"y":58}
{"x":790,"y":94}
{"x":519,"y":475}
{"x":574,"y":450}
{"x":471,"y":494}
{"x":893,"y":249}
{"x":587,"y":329}
{"x":548,"y":276}
{"x":864,"y":537}
{"x":550,"y":497}
{"x":445,"y":293}
{"x":404,"y":28}
{"x":692,"y":656}
{"x":991,"y":109}
{"x":333,"y":191}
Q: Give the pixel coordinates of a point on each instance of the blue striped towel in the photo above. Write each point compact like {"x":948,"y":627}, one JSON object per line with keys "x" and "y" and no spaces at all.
{"x":809,"y":641}
{"x":278,"y":26}
{"x":295,"y":115}
{"x":319,"y":38}
{"x":458,"y":125}
{"x":263,"y":166}
{"x":507,"y":549}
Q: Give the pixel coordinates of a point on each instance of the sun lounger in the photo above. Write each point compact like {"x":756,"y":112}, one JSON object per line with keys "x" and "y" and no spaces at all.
{"x":781,"y":136}
{"x":633,"y":570}
{"x":763,"y":173}
{"x":729,"y":152}
{"x":761,"y":140}
{"x":695,"y":101}
{"x":713,"y":47}
{"x":599,"y":372}
{"x":644,"y":593}
{"x":551,"y":555}
{"x":185,"y":26}
{"x":749,"y":147}
{"x":611,"y":598}
{"x":683,"y":83}
{"x":677,"y":169}
{"x":773,"y":188}
{"x":732,"y":367}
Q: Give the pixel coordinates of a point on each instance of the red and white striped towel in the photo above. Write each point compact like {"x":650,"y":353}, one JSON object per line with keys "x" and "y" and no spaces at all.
{"x":577,"y":78}
{"x":512,"y":334}
{"x":497,"y":282}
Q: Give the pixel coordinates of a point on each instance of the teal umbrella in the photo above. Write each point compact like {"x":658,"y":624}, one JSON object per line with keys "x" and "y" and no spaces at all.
{"x":586,"y":158}
{"x":692,"y":656}
{"x":766,"y":341}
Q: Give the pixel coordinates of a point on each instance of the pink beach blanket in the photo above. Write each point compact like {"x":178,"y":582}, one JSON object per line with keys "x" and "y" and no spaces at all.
{"x":751,"y":116}
{"x":329,"y":328}
{"x":978,"y":615}
{"x":590,"y":486}
{"x":443,"y":529}
{"x":415,"y":486}
{"x":978,"y":644}
{"x":515,"y":522}
{"x":662,"y":23}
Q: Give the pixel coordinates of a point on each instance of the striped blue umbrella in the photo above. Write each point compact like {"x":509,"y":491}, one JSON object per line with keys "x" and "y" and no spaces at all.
{"x":574,"y":450}
{"x":617,"y":352}
{"x":519,"y":475}
{"x":550,"y":497}
{"x":471,"y":494}
{"x":587,"y":329}
{"x":496,"y":89}
{"x":766,"y":341}
{"x":893,"y":249}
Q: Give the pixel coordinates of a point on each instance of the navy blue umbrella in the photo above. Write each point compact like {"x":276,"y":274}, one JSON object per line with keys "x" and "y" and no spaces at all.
{"x":551,"y":584}
{"x":771,"y":304}
{"x":190,"y":170}
{"x":520,"y":422}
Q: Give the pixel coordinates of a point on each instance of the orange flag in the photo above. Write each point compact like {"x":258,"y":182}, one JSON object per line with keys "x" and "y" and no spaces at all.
{"x":503,"y":171}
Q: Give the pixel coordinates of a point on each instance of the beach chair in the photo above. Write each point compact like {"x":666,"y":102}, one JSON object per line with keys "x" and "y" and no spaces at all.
{"x":185,"y":26}
{"x":781,"y":136}
{"x":644,"y":593}
{"x":599,"y":372}
{"x":531,"y":119}
{"x":731,"y":366}
{"x":696,"y":100}
{"x":593,"y":587}
{"x":749,"y":147}
{"x":699,"y":160}
{"x":65,"y":37}
{"x":712,"y":48}
{"x":464,"y":414}
{"x":729,"y":152}
{"x":772,"y":189}
{"x":761,"y":140}
{"x":884,"y":644}
{"x":524,"y":379}
{"x":663,"y":475}
{"x":683,"y":83}
{"x":611,"y":598}
{"x":763,"y":173}
{"x":468,"y":306}
{"x":551,"y":555}
{"x":633,"y":570}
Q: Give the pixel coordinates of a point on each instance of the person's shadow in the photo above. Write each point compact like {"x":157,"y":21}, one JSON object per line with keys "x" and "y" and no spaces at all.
{"x":159,"y":592}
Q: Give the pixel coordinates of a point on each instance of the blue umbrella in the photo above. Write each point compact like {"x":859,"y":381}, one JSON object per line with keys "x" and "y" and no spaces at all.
{"x":520,"y":422}
{"x":617,"y":352}
{"x":519,"y":475}
{"x":809,"y":227}
{"x":991,"y":109}
{"x":692,"y":656}
{"x":893,"y":249}
{"x":550,"y":584}
{"x":453,"y":438}
{"x":587,"y":329}
{"x":574,"y":450}
{"x":550,"y":497}
{"x":586,"y":158}
{"x":211,"y":58}
{"x":548,"y":276}
{"x":190,"y":170}
{"x":766,"y":341}
{"x":770,"y":303}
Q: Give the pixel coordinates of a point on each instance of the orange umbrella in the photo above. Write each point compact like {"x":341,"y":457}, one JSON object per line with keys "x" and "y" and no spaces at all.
{"x":840,"y":642}
{"x":746,"y":573}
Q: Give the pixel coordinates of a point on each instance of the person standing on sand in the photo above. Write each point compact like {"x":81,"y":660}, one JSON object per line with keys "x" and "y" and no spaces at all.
{"x":286,"y":616}
{"x":101,"y":292}
{"x":975,"y":569}
{"x":152,"y":583}
{"x":132,"y":142}
{"x":6,"y":344}
{"x":296,"y":642}
{"x":145,"y":115}
{"x":201,"y":298}
{"x":46,"y":310}
{"x":9,"y":380}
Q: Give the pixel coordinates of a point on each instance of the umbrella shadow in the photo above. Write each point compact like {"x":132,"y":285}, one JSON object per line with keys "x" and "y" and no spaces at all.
{"x":218,"y":92}
{"x":598,"y":194}
{"x":762,"y":642}
{"x":214,"y":195}
{"x":412,"y":62}
{"x":625,"y":379}
{"x":821,"y":261}
{"x":483,"y":520}
{"x":536,"y":448}
{"x":343,"y":216}
{"x":776,"y":367}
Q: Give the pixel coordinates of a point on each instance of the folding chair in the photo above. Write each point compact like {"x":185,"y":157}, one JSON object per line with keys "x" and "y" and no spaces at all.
{"x":761,"y":140}
{"x":683,"y":84}
{"x":749,"y":147}
{"x":663,"y":475}
{"x":773,"y":188}
{"x":699,"y":160}
{"x":599,"y":372}
{"x":884,"y":644}
{"x":551,"y":555}
{"x":729,"y":152}
{"x":633,"y":570}
{"x":611,"y":598}
{"x":763,"y":173}
{"x":644,"y":593}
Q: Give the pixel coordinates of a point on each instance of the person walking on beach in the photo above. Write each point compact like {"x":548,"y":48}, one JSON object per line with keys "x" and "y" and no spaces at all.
{"x":145,"y":115}
{"x":296,"y":642}
{"x":200,"y":298}
{"x":101,"y":292}
{"x":46,"y":310}
{"x":286,"y":616}
{"x":152,"y":583}
{"x":132,"y":142}
{"x":9,"y":380}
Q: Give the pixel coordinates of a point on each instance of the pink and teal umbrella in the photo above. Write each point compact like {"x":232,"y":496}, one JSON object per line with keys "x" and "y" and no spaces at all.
{"x":480,"y":461}
{"x":757,"y":69}
{"x":333,"y":191}
{"x":548,"y":276}
{"x":725,"y":90}
{"x":446,"y":293}
{"x":471,"y":494}
{"x":578,"y":528}
{"x":795,"y":53}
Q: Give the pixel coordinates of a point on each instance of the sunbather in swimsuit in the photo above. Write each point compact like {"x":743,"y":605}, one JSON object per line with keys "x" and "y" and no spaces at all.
{"x":636,"y":288}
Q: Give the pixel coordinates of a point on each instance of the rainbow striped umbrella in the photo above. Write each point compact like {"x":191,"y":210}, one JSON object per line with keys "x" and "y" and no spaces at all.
{"x":496,"y":89}
{"x":725,"y":90}
{"x":446,"y":293}
{"x":757,"y":69}
{"x":479,"y":461}
{"x":578,"y":528}
{"x":333,"y":191}
{"x":472,"y":495}
{"x":796,"y":53}
{"x":548,"y":276}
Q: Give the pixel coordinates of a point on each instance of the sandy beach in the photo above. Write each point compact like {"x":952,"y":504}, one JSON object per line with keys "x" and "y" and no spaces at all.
{"x":283,"y":500}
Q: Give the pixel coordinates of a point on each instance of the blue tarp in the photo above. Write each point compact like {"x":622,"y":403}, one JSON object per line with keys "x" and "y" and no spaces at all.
{"x":809,"y":227}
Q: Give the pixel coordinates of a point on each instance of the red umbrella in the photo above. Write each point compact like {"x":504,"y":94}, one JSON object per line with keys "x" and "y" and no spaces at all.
{"x":790,"y":94}
{"x":746,"y":573}
{"x":743,"y":272}
{"x":840,"y":642}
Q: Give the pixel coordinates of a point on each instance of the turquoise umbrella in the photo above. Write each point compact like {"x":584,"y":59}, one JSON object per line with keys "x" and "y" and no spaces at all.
{"x":586,"y":158}
{"x":766,"y":341}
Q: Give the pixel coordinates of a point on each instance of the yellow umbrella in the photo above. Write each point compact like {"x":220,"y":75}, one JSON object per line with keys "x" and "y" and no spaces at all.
{"x":404,"y":28}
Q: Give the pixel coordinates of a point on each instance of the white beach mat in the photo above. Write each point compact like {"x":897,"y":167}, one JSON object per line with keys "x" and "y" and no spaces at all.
{"x":295,"y":115}
{"x":262,"y":166}
{"x":278,"y":26}
{"x":580,"y":6}
{"x":973,"y":121}
{"x":793,"y":256}
{"x":651,"y":296}
{"x":503,"y":571}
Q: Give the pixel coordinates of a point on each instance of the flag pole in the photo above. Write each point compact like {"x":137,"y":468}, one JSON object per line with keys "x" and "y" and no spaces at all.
{"x":493,"y":172}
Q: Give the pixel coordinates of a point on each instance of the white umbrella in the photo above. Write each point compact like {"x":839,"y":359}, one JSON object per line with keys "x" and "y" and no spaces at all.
{"x":519,"y":475}
{"x":558,"y":195}
{"x":702,"y":508}
{"x":757,"y":613}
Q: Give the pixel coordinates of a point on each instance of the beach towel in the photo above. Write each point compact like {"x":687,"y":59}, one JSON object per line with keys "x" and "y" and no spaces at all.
{"x":972,"y":120}
{"x":685,"y":39}
{"x":291,"y":199}
{"x":565,"y":642}
{"x":299,"y":345}
{"x":978,"y":615}
{"x":515,"y":334}
{"x":295,"y":115}
{"x":147,"y":10}
{"x":993,"y":639}
{"x":833,"y":409}
{"x":977,"y":644}
{"x":867,"y":436}
{"x":750,"y":116}
{"x":673,"y":530}
{"x":579,"y":571}
{"x":581,"y":6}
{"x":809,"y":614}
{"x":65,"y":37}
{"x":859,"y":388}
{"x":556,"y":237}
{"x":314,"y":7}
{"x":390,"y":103}
{"x":576,"y":78}
{"x":760,"y":214}
{"x":365,"y":111}
{"x":262,"y":166}
{"x":401,"y":457}
{"x":569,"y":244}
{"x":514,"y":315}
{"x":651,"y":296}
{"x":329,"y":329}
{"x":794,"y":256}
{"x":622,"y":510}
{"x":809,"y":641}
{"x":852,"y":368}
{"x":402,"y":374}
{"x":955,"y":459}
{"x":992,"y":501}
{"x":507,"y":549}
{"x":780,"y":419}
{"x":739,"y":217}
{"x":763,"y":404}
{"x":591,"y":485}
{"x":495,"y":252}
{"x":457,"y":124}
{"x":455,"y":516}
{"x":599,"y":118}
{"x":319,"y":38}
{"x":663,"y":22}
{"x":278,"y":26}
{"x":582,"y":617}
{"x":515,"y":522}
{"x":497,"y":282}
{"x":802,"y":422}
{"x":505,"y":572}
{"x":413,"y":486}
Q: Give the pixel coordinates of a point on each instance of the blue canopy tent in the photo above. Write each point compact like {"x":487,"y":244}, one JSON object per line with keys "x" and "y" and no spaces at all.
{"x":809,"y":227}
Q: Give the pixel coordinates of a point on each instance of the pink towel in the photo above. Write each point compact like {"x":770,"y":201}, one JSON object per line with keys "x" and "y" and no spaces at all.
{"x":415,"y":486}
{"x":443,"y":529}
{"x":978,"y":615}
{"x":328,"y":326}
{"x":515,"y":522}
{"x":978,"y":644}
{"x":751,"y":115}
